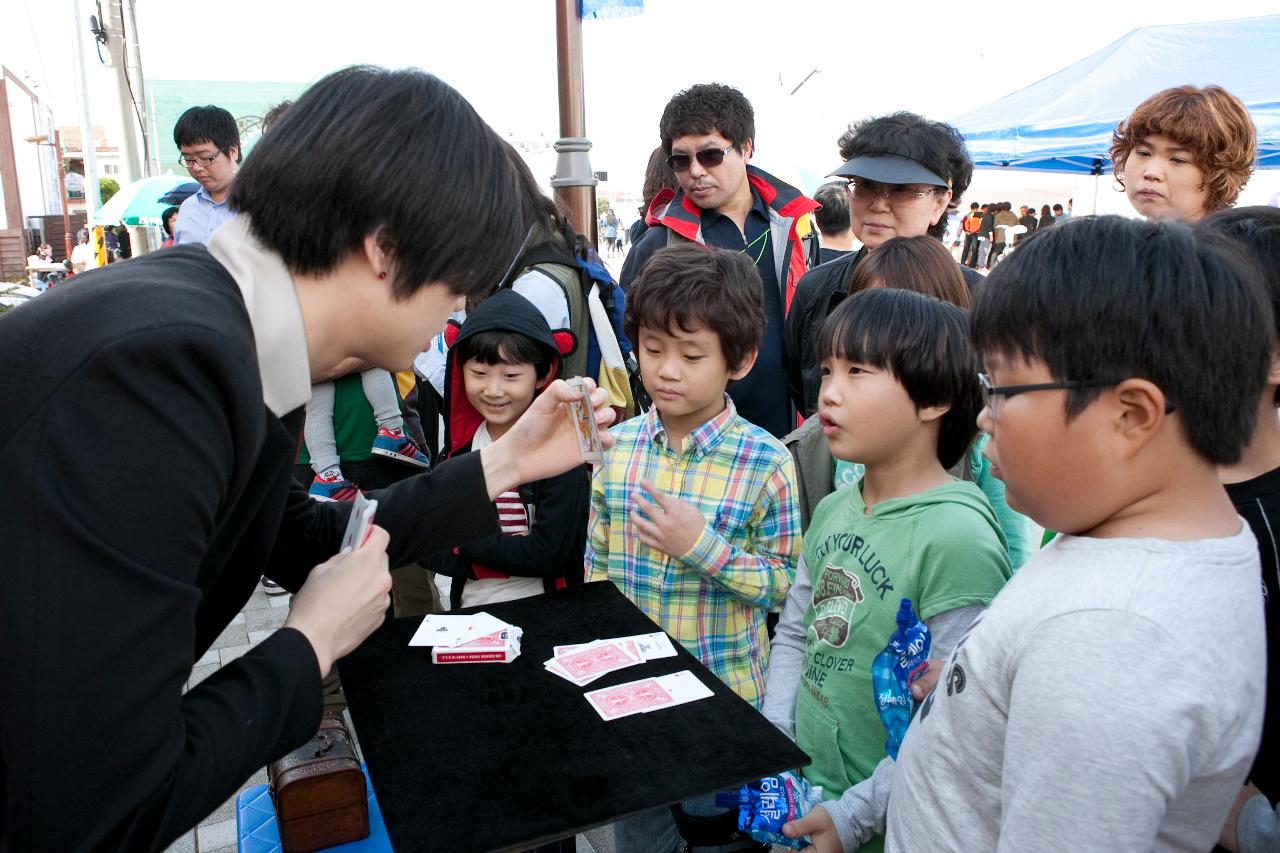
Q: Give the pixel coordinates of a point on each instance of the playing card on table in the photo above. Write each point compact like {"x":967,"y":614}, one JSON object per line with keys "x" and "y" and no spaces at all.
{"x":454,"y":630}
{"x":648,"y":694}
{"x":646,"y":646}
{"x":594,"y":660}
{"x":634,"y":697}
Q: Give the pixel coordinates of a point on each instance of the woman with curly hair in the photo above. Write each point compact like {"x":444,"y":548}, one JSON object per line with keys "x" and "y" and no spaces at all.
{"x":1185,"y":152}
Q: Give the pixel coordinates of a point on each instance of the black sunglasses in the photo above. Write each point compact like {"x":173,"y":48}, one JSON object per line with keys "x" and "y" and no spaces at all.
{"x":708,"y":159}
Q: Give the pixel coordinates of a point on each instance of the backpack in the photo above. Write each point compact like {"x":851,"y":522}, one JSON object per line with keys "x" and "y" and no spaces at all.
{"x":595,"y":317}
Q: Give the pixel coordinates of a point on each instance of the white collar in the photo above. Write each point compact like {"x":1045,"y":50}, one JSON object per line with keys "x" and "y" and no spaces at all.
{"x":274,"y":313}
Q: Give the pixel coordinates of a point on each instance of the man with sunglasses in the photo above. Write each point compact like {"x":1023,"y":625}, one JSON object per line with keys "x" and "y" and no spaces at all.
{"x":208,"y":139}
{"x":708,"y":132}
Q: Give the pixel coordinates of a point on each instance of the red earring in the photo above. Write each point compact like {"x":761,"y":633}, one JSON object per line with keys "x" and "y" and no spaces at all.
{"x":382,"y":276}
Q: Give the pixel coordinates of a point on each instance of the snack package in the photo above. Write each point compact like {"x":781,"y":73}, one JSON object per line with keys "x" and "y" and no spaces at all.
{"x":764,"y":806}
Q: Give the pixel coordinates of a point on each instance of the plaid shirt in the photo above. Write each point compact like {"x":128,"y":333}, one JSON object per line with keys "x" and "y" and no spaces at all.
{"x":714,"y":598}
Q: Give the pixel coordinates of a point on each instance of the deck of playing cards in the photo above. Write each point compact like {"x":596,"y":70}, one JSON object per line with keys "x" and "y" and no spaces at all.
{"x":647,"y":694}
{"x":585,"y":662}
{"x":474,"y":638}
{"x":584,"y":421}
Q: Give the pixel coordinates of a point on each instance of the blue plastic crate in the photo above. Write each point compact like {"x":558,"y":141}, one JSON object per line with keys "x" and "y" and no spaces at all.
{"x":256,"y":830}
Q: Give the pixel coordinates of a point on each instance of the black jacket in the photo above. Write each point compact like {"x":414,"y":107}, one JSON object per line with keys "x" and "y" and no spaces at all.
{"x":817,"y":295}
{"x":148,"y":489}
{"x":558,"y":506}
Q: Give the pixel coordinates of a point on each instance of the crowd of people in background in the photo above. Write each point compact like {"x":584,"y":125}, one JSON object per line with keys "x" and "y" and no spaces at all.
{"x":1069,"y":466}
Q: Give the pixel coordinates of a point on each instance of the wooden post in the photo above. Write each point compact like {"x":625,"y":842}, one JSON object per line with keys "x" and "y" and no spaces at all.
{"x":62,"y":188}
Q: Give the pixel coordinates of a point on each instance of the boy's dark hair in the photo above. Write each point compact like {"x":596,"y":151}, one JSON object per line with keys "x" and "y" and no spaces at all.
{"x":1104,"y":299}
{"x":833,"y":216}
{"x":924,"y":343}
{"x":692,"y":286}
{"x":208,"y":124}
{"x":1257,"y":230}
{"x":396,"y":154}
{"x":708,"y":108}
{"x":937,"y":146}
{"x":499,"y":346}
{"x":919,"y":264}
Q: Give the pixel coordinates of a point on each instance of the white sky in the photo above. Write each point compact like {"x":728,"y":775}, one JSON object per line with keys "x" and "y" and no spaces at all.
{"x":939,"y":59}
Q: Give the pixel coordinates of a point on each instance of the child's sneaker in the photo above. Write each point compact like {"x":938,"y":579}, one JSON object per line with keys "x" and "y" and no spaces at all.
{"x":397,"y":445}
{"x":334,"y":487}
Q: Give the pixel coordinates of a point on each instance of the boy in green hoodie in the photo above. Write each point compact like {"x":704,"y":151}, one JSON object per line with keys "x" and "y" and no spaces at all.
{"x":900,"y":394}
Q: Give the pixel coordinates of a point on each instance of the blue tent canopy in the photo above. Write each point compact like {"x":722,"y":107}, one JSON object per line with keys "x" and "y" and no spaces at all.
{"x":1064,"y":122}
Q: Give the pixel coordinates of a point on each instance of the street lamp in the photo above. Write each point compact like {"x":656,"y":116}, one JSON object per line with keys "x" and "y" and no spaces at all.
{"x":56,"y":145}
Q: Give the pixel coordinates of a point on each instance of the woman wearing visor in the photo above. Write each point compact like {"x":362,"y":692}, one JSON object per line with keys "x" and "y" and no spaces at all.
{"x":904,"y":172}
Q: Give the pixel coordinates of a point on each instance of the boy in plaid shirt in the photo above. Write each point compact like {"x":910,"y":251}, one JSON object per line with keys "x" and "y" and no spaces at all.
{"x":693,"y":512}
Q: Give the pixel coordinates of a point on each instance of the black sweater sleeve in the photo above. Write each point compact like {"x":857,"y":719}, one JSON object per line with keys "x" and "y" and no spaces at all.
{"x":558,"y":531}
{"x":423,"y":514}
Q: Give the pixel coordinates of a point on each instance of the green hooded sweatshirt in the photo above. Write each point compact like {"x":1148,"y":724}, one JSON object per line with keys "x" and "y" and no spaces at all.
{"x":942,"y":548}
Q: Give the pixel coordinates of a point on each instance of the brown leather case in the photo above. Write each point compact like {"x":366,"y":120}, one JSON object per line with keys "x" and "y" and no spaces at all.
{"x":319,"y":791}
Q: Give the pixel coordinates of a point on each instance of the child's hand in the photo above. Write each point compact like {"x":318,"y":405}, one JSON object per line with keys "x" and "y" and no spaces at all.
{"x":922,"y":685}
{"x":818,"y":826}
{"x":669,"y":524}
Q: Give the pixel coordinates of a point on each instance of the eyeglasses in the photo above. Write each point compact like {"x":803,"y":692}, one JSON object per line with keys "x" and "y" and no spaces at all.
{"x":897,"y":194}
{"x":708,"y":159}
{"x":191,"y":162}
{"x":991,"y":393}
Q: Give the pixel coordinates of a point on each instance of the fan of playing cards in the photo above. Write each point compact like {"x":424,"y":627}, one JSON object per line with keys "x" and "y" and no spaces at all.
{"x":474,"y":638}
{"x":584,"y":663}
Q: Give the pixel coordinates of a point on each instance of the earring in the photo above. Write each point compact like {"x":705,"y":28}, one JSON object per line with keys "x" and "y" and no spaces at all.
{"x":382,"y":276}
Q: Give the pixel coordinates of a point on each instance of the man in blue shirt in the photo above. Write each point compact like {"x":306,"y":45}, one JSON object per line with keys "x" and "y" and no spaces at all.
{"x":708,"y":132}
{"x":209,"y":141}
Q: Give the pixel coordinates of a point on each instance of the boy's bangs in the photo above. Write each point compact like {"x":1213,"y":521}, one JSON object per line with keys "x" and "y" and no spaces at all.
{"x":858,"y":336}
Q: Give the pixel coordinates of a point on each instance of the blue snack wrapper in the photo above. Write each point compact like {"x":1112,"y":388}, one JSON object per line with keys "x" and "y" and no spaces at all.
{"x":764,"y":806}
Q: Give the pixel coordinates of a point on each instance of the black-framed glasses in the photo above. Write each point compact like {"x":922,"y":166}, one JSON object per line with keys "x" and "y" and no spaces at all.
{"x":708,"y":159}
{"x":190,"y":162}
{"x":991,"y":393}
{"x":895,"y":193}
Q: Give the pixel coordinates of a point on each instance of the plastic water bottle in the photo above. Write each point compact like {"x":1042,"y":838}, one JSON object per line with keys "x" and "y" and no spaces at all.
{"x":904,"y":657}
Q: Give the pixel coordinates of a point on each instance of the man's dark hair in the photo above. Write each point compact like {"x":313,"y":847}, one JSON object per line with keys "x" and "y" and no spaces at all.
{"x":500,"y":346}
{"x":1057,"y":210}
{"x":973,"y":205}
{"x":405,"y":159}
{"x":937,"y":146}
{"x":708,"y":108}
{"x":1105,"y":299}
{"x":693,"y":286}
{"x":1257,"y":231}
{"x":208,"y":124}
{"x":924,"y":343}
{"x":833,"y":216}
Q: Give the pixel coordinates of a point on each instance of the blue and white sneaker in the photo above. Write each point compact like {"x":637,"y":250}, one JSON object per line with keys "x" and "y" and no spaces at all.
{"x":395,"y":444}
{"x":335,"y":487}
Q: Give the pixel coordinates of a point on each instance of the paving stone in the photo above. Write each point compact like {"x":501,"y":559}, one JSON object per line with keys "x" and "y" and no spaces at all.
{"x":258,"y":600}
{"x":200,"y":673}
{"x":216,"y":835}
{"x":232,"y":635}
{"x":256,"y":637}
{"x":267,"y":619}
{"x":280,"y":600}
{"x":210,"y":656}
{"x":238,"y":619}
{"x":230,"y":653}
